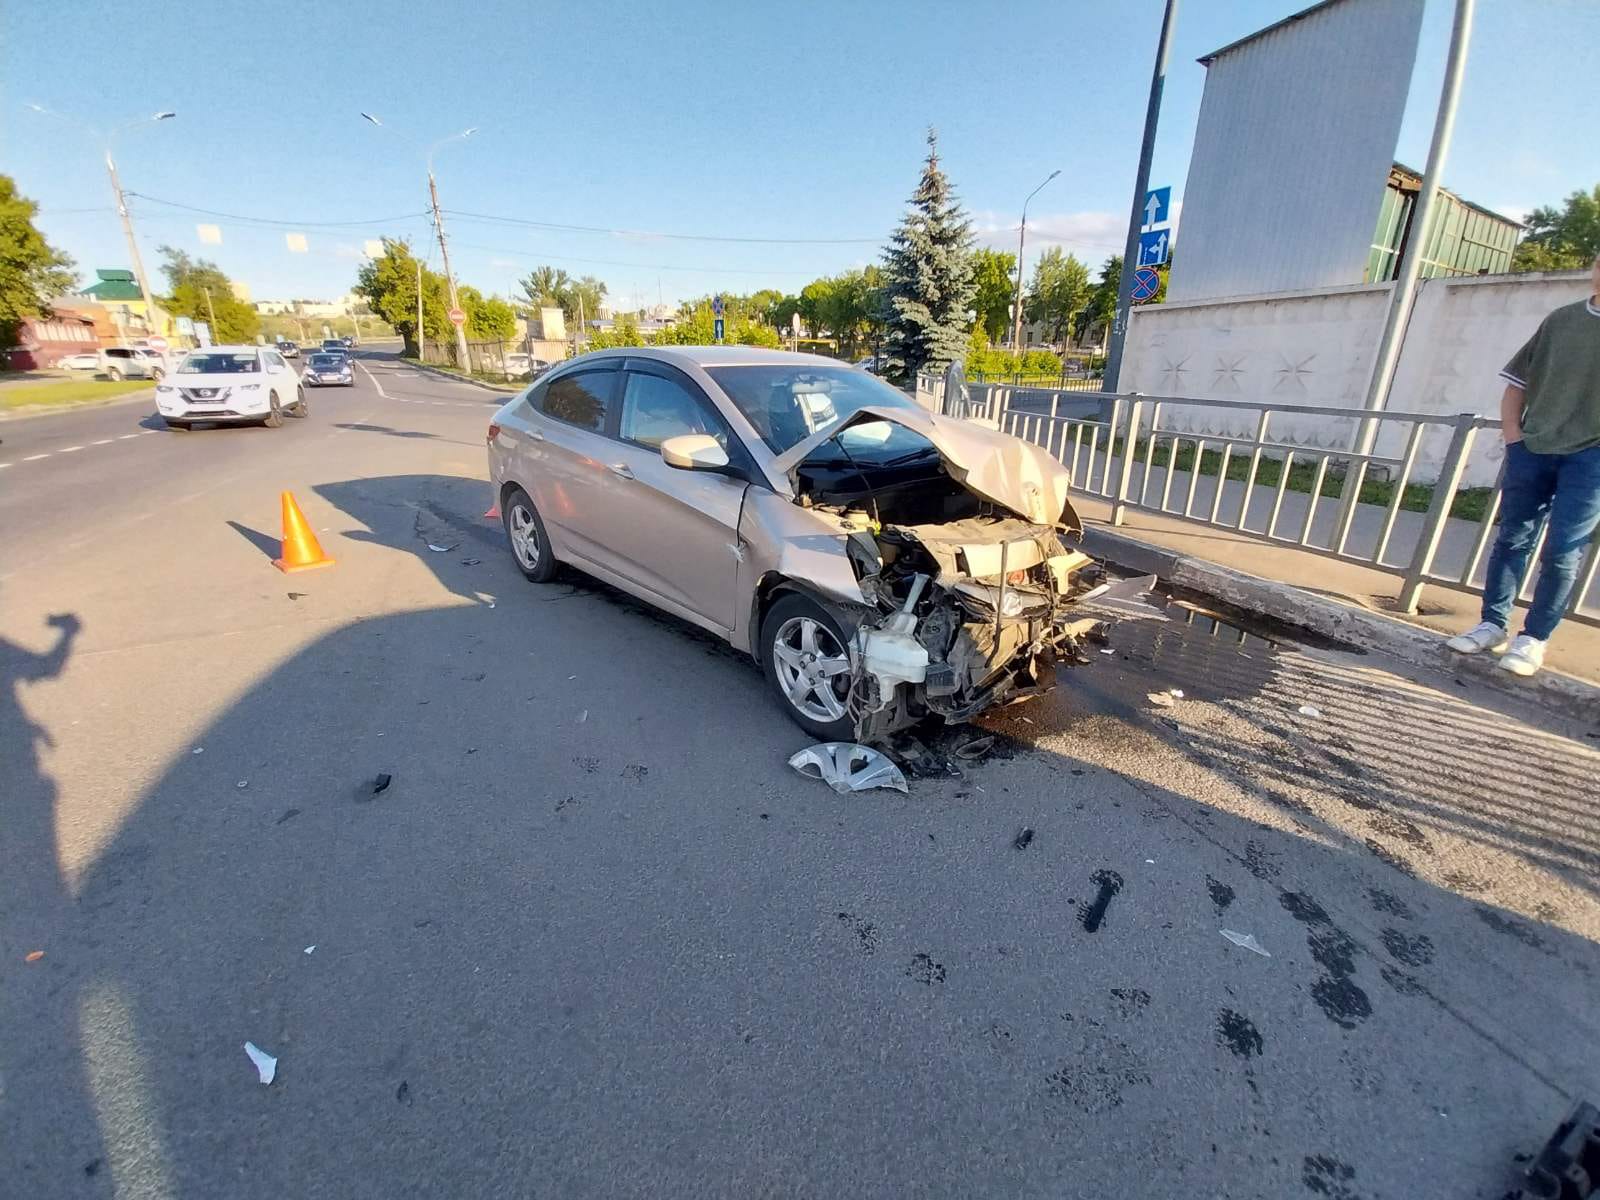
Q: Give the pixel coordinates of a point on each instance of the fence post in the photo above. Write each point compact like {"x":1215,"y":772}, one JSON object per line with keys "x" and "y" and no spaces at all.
{"x":1444,"y":493}
{"x":1119,"y":505}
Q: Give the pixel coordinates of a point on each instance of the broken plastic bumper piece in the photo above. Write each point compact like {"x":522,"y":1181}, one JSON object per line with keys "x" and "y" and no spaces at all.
{"x":848,"y":767}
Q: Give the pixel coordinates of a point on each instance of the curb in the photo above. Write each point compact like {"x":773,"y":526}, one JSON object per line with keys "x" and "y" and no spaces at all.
{"x":497,"y":389}
{"x":22,"y":411}
{"x":1564,"y":694}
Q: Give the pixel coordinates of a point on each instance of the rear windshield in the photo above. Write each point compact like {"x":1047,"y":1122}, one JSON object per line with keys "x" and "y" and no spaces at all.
{"x":220,"y":364}
{"x":787,"y":404}
{"x":327,"y":360}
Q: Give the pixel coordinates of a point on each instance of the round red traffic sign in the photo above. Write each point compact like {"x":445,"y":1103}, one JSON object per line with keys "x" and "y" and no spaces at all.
{"x":457,"y":317}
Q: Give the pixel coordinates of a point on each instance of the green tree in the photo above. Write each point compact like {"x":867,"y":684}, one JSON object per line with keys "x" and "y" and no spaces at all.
{"x":389,"y":285}
{"x":1563,"y":239}
{"x":994,"y":277}
{"x":1101,"y":310}
{"x":1058,"y":291}
{"x":198,"y":289}
{"x":623,"y":332}
{"x":546,"y":287}
{"x":489,"y":319}
{"x":32,"y":271}
{"x":927,"y":276}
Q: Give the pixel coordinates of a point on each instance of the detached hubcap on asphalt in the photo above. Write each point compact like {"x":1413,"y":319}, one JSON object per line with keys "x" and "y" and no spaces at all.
{"x":812,"y":667}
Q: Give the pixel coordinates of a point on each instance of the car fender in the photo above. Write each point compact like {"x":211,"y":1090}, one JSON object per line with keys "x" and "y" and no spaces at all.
{"x":783,"y":546}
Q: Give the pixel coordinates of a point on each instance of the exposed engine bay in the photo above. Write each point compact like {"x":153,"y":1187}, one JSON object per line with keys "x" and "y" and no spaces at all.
{"x":970,"y":603}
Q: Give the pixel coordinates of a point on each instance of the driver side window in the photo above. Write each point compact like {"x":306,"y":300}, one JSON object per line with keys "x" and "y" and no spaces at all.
{"x":655,"y":409}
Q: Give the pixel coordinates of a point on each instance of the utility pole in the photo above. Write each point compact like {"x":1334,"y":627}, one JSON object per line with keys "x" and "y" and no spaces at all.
{"x":449,"y":276}
{"x":1404,"y":295}
{"x":1130,"y":253}
{"x":1022,"y":233}
{"x":106,"y":140}
{"x":420,"y":356}
{"x":211,"y":311}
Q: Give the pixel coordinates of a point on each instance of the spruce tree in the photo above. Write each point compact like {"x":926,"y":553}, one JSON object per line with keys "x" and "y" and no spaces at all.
{"x":928,"y":283}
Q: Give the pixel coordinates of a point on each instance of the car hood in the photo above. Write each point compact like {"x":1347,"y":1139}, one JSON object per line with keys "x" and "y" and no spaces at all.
{"x":996,"y":466}
{"x":215,"y":381}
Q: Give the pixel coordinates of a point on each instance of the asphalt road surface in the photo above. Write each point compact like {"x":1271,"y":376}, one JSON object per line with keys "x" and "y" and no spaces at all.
{"x":596,"y":939}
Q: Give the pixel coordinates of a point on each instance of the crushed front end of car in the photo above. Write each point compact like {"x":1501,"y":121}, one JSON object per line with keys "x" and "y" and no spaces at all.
{"x":954,"y":534}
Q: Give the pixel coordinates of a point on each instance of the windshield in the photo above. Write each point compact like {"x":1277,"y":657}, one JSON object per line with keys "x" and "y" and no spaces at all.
{"x":787,"y":404}
{"x":328,"y":362}
{"x":220,"y":364}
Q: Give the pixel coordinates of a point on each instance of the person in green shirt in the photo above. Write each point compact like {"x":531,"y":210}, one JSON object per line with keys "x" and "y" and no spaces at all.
{"x":1550,"y":415}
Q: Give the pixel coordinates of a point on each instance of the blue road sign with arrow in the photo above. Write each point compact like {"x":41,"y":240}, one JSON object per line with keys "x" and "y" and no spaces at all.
{"x":1157,"y":206}
{"x":717,"y":333}
{"x":1154,"y":245}
{"x":1146,"y":283}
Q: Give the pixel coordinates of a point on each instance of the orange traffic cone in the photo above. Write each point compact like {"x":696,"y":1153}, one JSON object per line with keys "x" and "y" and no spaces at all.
{"x":301,"y":551}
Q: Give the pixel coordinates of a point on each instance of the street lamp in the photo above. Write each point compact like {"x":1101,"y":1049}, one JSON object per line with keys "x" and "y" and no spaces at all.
{"x":106,"y":139}
{"x":1022,"y":233}
{"x":438,"y":225}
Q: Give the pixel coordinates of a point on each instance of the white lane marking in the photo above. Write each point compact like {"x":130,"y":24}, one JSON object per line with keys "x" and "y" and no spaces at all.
{"x":372,"y":377}
{"x":103,"y":442}
{"x":127,"y":436}
{"x":35,"y":457}
{"x":68,"y":449}
{"x":3,"y":466}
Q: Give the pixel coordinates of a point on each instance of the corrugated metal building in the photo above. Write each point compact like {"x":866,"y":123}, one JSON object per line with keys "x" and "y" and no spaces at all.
{"x":1297,"y":129}
{"x":1466,"y":238}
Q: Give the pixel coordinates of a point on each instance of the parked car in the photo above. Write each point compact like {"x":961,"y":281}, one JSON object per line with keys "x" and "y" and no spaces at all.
{"x":349,"y":342}
{"x":873,"y":362}
{"x":89,"y":360}
{"x":325,"y":370}
{"x":882,"y":563}
{"x":289,"y":349}
{"x":232,"y":385}
{"x":524,"y":366}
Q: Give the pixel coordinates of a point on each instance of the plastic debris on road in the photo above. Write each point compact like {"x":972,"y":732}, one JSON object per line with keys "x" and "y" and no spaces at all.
{"x":470,"y":562}
{"x":437,"y":549}
{"x":198,"y":750}
{"x":977,"y":748}
{"x":848,"y":767}
{"x":583,"y":716}
{"x":266,"y":1065}
{"x":1023,"y":838}
{"x":1126,"y":598}
{"x":1107,"y":650}
{"x":34,"y":956}
{"x":1175,"y":693}
{"x":381,"y":783}
{"x":242,"y":784}
{"x":1247,"y":941}
{"x":310,"y":948}
{"x":1309,"y":710}
{"x":1160,"y":699}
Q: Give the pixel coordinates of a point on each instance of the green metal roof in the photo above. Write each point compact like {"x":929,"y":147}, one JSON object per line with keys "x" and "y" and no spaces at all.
{"x":113,"y":284}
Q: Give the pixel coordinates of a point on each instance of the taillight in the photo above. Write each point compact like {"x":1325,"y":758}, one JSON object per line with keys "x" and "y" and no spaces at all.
{"x":494,"y":431}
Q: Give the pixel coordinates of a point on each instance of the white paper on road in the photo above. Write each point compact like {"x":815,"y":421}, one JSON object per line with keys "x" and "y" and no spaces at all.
{"x":1246,"y":940}
{"x":266,"y":1065}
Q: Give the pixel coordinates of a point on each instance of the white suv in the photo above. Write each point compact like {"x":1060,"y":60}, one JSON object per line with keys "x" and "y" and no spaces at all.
{"x":231,"y":384}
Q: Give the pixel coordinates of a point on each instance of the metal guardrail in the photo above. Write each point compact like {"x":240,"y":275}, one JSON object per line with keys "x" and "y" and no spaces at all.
{"x":1119,"y":447}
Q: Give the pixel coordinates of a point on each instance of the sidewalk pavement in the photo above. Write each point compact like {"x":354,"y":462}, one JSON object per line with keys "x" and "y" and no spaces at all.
{"x":1343,"y":600}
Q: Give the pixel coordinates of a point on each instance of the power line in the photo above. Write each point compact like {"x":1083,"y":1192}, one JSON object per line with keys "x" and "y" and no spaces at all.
{"x":650,"y":234}
{"x":539,"y":256}
{"x":273,"y":221}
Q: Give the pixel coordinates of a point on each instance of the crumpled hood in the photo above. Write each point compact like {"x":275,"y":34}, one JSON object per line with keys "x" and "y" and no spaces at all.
{"x":1003,"y":469}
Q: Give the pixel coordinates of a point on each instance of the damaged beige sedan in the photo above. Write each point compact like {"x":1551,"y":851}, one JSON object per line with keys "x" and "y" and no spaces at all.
{"x":883,"y":564}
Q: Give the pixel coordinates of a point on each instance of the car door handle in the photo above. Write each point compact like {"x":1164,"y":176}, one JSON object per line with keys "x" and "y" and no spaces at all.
{"x":620,"y":469}
{"x":535,"y":436}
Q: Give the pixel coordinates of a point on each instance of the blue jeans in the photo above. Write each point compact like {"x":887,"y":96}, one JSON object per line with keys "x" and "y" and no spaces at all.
{"x":1566,"y":487}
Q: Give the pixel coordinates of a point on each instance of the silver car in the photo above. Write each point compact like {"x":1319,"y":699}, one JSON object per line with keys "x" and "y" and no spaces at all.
{"x":883,"y":564}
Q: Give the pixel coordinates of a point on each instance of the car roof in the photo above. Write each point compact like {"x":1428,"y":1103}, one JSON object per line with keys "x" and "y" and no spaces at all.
{"x":717,"y":356}
{"x":224,"y":349}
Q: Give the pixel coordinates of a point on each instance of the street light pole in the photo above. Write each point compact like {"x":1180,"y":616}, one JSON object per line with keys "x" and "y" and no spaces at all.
{"x":1130,"y":253}
{"x":438,"y":226}
{"x":106,"y":140}
{"x":1022,"y":233}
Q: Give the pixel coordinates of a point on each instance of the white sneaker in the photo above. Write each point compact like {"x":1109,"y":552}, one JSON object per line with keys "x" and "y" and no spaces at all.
{"x":1525,"y":657}
{"x":1485,"y":635}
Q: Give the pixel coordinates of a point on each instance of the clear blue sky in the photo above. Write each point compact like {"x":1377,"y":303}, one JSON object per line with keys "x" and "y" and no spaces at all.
{"x":755,"y":120}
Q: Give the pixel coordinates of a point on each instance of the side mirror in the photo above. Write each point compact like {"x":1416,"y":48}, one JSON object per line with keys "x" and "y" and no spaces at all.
{"x":694,"y":452}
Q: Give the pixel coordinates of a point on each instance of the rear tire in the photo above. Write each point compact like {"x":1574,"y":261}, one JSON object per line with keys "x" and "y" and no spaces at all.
{"x":114,"y":374}
{"x":797,"y":635}
{"x":530,"y":545}
{"x":274,"y":416}
{"x":302,"y":405}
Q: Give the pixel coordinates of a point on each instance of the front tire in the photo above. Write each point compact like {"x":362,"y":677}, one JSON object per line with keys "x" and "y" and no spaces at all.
{"x":302,"y":405}
{"x":274,"y":416}
{"x":530,"y":545}
{"x":183,"y":426}
{"x":114,"y":374}
{"x":806,"y":657}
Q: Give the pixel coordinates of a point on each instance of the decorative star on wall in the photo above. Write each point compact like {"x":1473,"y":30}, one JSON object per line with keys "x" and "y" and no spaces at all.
{"x":1294,"y":373}
{"x":1172,"y":374}
{"x":1227,"y":372}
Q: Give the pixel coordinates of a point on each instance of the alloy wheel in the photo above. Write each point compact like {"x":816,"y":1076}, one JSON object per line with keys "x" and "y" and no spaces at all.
{"x":812,"y":667}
